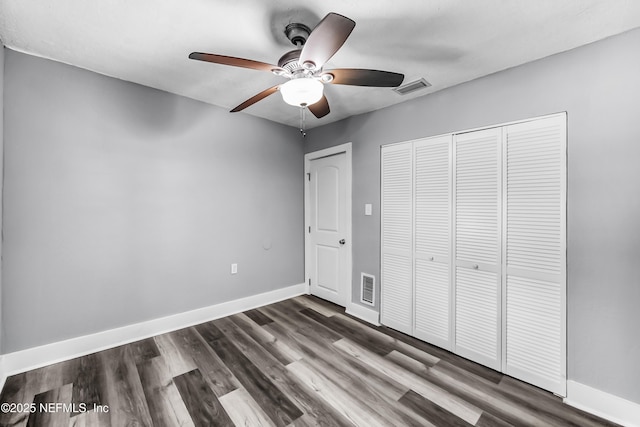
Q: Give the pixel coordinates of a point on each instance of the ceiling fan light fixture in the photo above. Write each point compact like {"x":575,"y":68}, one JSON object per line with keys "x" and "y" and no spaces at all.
{"x":302,"y":92}
{"x":309,"y":65}
{"x":279,"y":71}
{"x":327,"y":78}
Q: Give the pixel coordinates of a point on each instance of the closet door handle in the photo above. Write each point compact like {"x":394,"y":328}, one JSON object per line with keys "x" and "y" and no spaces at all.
{"x":476,"y":266}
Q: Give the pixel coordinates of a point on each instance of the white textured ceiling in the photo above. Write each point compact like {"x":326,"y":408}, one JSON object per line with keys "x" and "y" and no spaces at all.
{"x":444,"y":41}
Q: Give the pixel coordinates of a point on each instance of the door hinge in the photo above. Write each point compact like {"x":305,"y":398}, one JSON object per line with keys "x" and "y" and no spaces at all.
{"x":309,"y":176}
{"x":309,"y":281}
{"x":309,"y":229}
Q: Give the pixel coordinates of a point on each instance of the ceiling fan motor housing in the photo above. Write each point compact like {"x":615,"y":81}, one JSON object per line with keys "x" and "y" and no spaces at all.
{"x":297,"y":33}
{"x":289,"y":61}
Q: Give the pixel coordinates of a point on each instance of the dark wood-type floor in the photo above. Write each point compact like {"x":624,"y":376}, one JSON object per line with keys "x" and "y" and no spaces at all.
{"x":297,"y":362}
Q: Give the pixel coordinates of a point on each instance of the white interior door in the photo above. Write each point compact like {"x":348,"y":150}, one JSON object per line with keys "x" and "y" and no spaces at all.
{"x":328,"y":257}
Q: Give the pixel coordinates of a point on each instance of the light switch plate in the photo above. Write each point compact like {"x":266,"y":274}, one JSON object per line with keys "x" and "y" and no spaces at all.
{"x":234,"y":268}
{"x":367,"y":209}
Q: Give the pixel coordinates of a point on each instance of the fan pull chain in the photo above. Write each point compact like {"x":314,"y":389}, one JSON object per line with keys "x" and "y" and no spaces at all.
{"x":302,"y":122}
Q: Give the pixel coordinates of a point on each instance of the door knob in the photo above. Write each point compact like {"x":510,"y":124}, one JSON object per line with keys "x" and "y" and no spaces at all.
{"x":342,"y":241}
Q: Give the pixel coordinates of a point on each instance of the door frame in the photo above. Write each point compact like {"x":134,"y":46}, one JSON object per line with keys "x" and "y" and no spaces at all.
{"x":308,"y":158}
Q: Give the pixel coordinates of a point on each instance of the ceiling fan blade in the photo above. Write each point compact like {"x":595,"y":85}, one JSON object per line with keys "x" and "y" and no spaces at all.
{"x":249,"y":102}
{"x":360,"y":77}
{"x":320,"y":108}
{"x":233,"y":61}
{"x":325,"y":40}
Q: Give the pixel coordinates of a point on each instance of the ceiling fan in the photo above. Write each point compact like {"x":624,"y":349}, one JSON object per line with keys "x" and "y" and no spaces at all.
{"x":303,"y":66}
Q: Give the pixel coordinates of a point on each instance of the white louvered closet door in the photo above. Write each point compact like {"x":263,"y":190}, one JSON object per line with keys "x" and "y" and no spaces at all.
{"x":535,"y":255}
{"x":477,"y":245}
{"x":432,"y":212}
{"x":396,"y":302}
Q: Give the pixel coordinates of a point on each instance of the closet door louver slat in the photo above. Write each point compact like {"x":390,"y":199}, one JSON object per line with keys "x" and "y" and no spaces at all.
{"x":397,"y":237}
{"x":535,"y":256}
{"x":432,"y":239}
{"x":477,"y":246}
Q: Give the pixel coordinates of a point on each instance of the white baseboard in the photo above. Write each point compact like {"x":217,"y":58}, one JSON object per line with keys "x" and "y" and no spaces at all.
{"x":361,"y":312}
{"x":36,"y":357}
{"x":603,"y":404}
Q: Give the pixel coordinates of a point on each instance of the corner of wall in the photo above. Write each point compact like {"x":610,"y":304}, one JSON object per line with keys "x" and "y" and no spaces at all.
{"x":367,"y":314}
{"x":2,"y":373}
{"x":602,"y":404}
{"x":2,"y":50}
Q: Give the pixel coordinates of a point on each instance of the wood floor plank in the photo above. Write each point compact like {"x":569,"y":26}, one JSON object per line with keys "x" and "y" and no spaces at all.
{"x":258,"y":317}
{"x":540,"y":401}
{"x":279,"y":350}
{"x":56,"y":416}
{"x":471,"y":367}
{"x":244,"y":411}
{"x":361,"y":327}
{"x":430,"y":411}
{"x":94,"y":419}
{"x":471,"y":391}
{"x":444,"y":399}
{"x":370,"y":394}
{"x":177,"y":359}
{"x":489,"y":420}
{"x":163,"y":399}
{"x":201,"y":402}
{"x":209,"y":332}
{"x":215,"y":372}
{"x":312,"y":303}
{"x":331,"y":358}
{"x":144,"y":350}
{"x":87,"y":376}
{"x":344,"y":402}
{"x":15,"y":391}
{"x":297,"y":392}
{"x":48,"y":377}
{"x":368,"y":339}
{"x":327,"y":305}
{"x":294,"y":320}
{"x":123,"y":389}
{"x":22,"y":388}
{"x":274,"y":403}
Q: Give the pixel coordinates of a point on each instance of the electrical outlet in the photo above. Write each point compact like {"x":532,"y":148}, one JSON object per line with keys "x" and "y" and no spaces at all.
{"x":234,"y":268}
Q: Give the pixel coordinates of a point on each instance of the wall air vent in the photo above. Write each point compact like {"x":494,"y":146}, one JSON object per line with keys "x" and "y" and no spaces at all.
{"x":412,"y":86}
{"x":367,"y":288}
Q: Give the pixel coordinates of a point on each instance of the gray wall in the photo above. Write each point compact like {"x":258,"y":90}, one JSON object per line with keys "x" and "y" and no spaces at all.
{"x":123,"y":203}
{"x":598,"y":86}
{"x":1,"y":174}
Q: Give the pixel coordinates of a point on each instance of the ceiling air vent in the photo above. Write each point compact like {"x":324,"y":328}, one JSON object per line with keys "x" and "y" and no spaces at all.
{"x":412,"y":86}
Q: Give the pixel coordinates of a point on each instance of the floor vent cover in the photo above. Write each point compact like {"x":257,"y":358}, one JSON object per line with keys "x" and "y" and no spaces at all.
{"x":412,"y":86}
{"x":367,"y":288}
